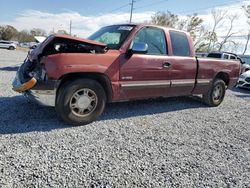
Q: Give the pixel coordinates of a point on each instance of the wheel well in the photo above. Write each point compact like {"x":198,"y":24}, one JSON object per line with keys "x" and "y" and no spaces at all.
{"x":101,"y":78}
{"x":224,"y":76}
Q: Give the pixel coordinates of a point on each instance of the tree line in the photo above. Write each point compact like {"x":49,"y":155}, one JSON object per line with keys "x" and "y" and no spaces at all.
{"x":9,"y":33}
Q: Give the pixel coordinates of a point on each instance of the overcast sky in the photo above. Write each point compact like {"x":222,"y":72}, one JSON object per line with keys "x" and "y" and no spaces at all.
{"x":88,"y":16}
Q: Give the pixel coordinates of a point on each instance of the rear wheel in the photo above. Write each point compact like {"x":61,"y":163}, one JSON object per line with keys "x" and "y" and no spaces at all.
{"x":216,"y":93}
{"x":81,"y":101}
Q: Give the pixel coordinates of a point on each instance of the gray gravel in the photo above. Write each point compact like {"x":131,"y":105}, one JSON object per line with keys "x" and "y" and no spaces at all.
{"x":175,"y":142}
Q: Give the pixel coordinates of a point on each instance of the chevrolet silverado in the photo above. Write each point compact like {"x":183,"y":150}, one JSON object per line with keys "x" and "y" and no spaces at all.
{"x":120,"y":63}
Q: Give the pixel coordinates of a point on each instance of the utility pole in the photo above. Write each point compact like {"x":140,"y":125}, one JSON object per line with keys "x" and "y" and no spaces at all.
{"x":131,"y":12}
{"x":70,"y":26}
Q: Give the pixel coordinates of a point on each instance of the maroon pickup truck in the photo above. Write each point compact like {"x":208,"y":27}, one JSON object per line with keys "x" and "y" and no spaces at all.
{"x":120,"y":63}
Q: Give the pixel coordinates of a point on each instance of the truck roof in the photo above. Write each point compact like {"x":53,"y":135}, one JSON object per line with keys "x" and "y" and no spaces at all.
{"x":148,"y":25}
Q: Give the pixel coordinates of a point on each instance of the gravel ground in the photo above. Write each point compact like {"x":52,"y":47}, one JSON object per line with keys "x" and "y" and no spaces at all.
{"x":175,"y":142}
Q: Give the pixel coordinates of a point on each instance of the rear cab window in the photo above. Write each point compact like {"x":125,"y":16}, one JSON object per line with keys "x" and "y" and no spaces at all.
{"x":180,"y":43}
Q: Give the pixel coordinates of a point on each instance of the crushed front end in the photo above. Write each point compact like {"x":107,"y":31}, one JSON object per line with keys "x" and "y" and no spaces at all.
{"x":32,"y":79}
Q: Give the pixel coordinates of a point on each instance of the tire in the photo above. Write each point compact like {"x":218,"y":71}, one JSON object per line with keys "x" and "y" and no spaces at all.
{"x":215,"y":94}
{"x":11,"y":48}
{"x":80,"y":102}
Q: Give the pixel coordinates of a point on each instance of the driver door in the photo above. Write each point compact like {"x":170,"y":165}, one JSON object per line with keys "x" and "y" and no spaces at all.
{"x":146,"y":75}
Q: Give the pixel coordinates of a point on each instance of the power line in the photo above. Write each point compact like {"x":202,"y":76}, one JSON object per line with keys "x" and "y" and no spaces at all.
{"x":121,"y":7}
{"x":151,"y":4}
{"x":205,"y":8}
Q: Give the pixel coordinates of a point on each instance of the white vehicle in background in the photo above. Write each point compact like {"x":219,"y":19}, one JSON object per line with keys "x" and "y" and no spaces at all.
{"x":246,"y":59}
{"x":32,"y":45}
{"x":244,"y":80}
{"x":7,"y":45}
{"x":39,"y":39}
{"x":227,"y":55}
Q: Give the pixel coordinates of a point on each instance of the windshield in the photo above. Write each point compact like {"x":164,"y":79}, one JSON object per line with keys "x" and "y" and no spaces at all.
{"x":113,"y":36}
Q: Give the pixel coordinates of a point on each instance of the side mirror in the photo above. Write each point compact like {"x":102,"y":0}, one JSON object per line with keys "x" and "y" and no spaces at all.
{"x":139,"y":48}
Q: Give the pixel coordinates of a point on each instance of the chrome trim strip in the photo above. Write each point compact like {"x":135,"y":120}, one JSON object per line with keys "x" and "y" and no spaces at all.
{"x":203,"y":82}
{"x":164,"y":84}
{"x":146,"y":84}
{"x":183,"y":83}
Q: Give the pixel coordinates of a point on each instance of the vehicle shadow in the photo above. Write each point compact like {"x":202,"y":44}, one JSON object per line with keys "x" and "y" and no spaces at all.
{"x":9,"y":68}
{"x":149,"y":107}
{"x":20,"y":116}
{"x":17,"y":115}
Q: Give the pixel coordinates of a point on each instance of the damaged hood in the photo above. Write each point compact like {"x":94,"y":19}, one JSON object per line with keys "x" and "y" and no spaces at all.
{"x":59,"y":43}
{"x":81,"y":40}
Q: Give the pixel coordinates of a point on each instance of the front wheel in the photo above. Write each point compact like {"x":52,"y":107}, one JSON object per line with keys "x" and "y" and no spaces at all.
{"x":81,"y":101}
{"x":11,"y":48}
{"x":215,"y":94}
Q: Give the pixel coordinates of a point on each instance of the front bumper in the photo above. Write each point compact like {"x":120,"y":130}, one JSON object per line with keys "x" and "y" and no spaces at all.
{"x":243,"y":83}
{"x":41,"y":97}
{"x":19,"y":87}
{"x":41,"y":92}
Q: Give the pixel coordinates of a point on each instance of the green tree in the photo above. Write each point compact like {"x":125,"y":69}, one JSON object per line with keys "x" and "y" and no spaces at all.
{"x":25,"y":36}
{"x":166,"y":19}
{"x":1,"y":31}
{"x":194,"y":25}
{"x":8,"y":32}
{"x":64,"y":32}
{"x":38,"y":32}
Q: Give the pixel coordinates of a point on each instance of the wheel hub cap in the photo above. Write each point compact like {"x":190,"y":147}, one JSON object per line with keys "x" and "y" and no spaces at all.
{"x":217,"y":93}
{"x":83,"y":102}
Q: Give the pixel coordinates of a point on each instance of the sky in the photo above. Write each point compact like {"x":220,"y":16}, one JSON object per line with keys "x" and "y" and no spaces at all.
{"x":88,"y":16}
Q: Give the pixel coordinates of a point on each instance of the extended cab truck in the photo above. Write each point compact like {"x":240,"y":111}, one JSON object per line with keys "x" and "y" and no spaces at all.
{"x":118,"y":63}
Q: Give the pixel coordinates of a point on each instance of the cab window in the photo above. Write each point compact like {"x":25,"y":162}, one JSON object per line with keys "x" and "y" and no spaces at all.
{"x":154,"y":38}
{"x":180,"y":43}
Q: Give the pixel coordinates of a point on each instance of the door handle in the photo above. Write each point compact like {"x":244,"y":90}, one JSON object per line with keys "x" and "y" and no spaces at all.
{"x":166,"y":65}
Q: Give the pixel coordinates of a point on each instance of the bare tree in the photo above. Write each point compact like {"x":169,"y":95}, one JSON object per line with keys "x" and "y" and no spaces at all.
{"x":200,"y":42}
{"x":232,"y":46}
{"x":247,"y":12}
{"x":230,"y":33}
{"x":247,"y":42}
{"x":218,"y":16}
